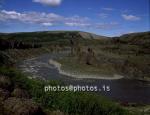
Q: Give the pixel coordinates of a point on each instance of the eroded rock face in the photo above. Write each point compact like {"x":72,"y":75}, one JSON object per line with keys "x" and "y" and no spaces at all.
{"x":15,"y":101}
{"x":18,"y":106}
{"x":5,"y":59}
{"x":87,"y":57}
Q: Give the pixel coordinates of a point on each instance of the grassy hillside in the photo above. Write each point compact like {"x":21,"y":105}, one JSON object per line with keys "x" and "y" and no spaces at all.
{"x":122,"y":55}
{"x":18,"y":94}
{"x":49,"y":36}
{"x":127,"y":55}
{"x":135,"y":49}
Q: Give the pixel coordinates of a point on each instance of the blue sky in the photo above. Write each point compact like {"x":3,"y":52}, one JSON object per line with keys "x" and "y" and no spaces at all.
{"x":103,"y":17}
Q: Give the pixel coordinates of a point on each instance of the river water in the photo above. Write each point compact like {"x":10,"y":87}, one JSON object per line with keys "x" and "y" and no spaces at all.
{"x":124,"y":90}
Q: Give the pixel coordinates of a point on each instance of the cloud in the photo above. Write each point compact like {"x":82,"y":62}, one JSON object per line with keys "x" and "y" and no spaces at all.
{"x":12,"y":14}
{"x":29,"y":17}
{"x":78,"y":24}
{"x":47,"y":24}
{"x":103,"y":15}
{"x":49,"y":2}
{"x":108,"y":9}
{"x":105,"y":26}
{"x":42,"y":18}
{"x":130,"y":17}
{"x":89,"y":8}
{"x":77,"y":21}
{"x":52,"y":19}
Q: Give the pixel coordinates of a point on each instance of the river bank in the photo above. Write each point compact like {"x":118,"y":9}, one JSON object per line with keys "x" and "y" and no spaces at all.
{"x":120,"y":88}
{"x":80,"y":75}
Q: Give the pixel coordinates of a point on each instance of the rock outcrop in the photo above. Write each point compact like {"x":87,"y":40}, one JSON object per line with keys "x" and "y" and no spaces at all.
{"x":18,"y":106}
{"x":15,"y":100}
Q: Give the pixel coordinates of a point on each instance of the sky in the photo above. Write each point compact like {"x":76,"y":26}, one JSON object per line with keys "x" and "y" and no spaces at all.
{"x":102,"y":17}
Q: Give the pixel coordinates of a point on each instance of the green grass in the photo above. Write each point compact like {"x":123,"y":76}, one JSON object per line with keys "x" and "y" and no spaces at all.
{"x":78,"y":103}
{"x":73,"y":103}
{"x":140,"y":110}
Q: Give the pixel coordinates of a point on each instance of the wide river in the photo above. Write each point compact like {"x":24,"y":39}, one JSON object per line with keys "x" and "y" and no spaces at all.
{"x":124,"y":90}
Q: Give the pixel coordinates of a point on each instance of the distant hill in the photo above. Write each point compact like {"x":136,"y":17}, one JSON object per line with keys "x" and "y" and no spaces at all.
{"x":48,"y":36}
{"x":87,"y":35}
{"x":127,"y":54}
{"x":141,"y":38}
{"x":64,"y":37}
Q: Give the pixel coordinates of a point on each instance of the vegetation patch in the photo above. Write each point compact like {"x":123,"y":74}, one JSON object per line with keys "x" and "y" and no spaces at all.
{"x":72,"y":103}
{"x":72,"y":65}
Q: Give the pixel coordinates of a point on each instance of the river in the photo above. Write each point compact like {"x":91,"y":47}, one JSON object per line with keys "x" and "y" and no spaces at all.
{"x":124,"y":90}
